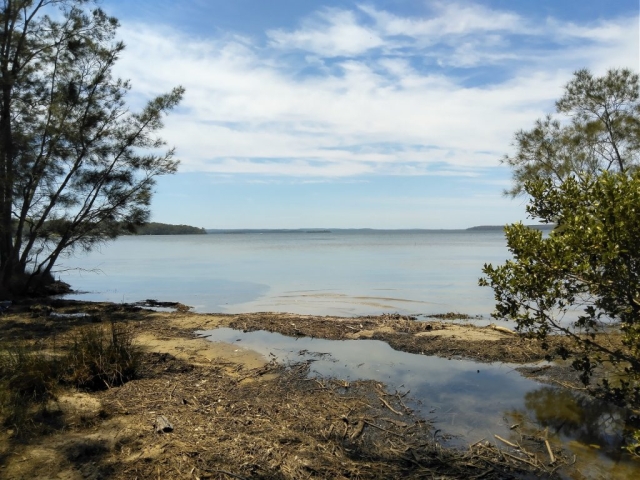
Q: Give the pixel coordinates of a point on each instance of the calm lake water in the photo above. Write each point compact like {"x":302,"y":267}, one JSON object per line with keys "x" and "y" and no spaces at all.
{"x":344,"y":273}
{"x":352,"y":273}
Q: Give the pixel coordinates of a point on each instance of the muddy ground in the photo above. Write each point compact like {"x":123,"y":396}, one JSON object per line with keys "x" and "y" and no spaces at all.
{"x":435,"y":337}
{"x":233,"y":415}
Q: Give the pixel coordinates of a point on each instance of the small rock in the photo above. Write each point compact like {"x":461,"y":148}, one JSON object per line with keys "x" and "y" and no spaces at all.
{"x":163,"y":425}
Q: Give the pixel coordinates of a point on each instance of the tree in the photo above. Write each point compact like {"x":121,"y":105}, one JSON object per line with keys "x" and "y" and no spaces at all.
{"x":76,"y":166}
{"x":599,"y":131}
{"x":583,"y":279}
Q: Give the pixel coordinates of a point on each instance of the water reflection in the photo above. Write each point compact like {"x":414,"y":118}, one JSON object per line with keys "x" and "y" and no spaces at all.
{"x":467,"y":399}
{"x":595,"y":430}
{"x":464,"y":398}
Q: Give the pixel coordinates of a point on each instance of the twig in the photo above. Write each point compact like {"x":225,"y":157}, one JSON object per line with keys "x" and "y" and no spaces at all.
{"x":384,"y":429}
{"x":474,"y":444}
{"x":358,"y":431}
{"x":520,"y":459}
{"x":507,"y":442}
{"x":566,"y":385}
{"x":551,"y":456}
{"x":386,"y":404}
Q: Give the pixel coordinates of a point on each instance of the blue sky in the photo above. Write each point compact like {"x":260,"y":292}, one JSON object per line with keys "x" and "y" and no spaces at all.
{"x":381,"y":114}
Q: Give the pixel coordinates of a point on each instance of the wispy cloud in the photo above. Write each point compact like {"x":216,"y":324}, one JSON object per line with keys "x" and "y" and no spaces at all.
{"x":329,"y":33}
{"x":448,"y":19}
{"x":366,"y":91}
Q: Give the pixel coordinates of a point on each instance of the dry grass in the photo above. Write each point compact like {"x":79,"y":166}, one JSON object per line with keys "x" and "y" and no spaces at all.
{"x":31,"y":374}
{"x":235,"y":423}
{"x":102,"y":357}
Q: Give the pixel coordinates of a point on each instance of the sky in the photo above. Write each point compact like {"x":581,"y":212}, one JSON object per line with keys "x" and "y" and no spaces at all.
{"x":342,"y":114}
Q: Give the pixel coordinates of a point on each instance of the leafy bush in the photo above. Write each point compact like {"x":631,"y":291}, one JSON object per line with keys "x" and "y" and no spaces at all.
{"x":588,"y":267}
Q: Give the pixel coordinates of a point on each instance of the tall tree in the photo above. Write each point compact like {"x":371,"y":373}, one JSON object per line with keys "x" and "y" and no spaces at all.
{"x":583,"y":279}
{"x":76,"y":166}
{"x":597,"y":129}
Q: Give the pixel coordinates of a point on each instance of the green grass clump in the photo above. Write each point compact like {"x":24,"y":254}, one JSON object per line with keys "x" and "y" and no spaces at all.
{"x":102,"y":357}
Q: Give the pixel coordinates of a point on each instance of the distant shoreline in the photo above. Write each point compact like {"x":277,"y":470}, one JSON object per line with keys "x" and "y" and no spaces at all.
{"x":155,"y":228}
{"x":501,"y":227}
{"x":240,"y":231}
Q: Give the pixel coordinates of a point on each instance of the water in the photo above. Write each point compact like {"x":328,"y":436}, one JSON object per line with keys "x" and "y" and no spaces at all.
{"x":356,"y":273}
{"x":469,"y":400}
{"x":343,"y":273}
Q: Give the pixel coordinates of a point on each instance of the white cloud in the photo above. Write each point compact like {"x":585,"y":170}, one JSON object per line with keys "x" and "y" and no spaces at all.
{"x":249,"y":109}
{"x":330,"y":33}
{"x":450,"y":18}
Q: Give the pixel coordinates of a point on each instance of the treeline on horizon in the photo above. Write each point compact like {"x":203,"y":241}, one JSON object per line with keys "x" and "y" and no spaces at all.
{"x":155,"y":228}
{"x":236,"y":231}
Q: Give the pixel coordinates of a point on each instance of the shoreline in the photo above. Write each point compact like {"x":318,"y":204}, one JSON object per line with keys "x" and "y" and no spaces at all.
{"x":229,"y":404}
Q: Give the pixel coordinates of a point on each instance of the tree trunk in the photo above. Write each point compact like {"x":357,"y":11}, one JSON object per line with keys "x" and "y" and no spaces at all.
{"x":6,"y":191}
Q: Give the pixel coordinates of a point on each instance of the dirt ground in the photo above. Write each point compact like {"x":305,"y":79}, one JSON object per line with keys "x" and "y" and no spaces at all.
{"x":234,"y":415}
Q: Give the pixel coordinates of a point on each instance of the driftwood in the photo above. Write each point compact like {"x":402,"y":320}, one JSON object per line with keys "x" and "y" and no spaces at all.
{"x":550,"y":452}
{"x":163,"y":425}
{"x":498,"y":328}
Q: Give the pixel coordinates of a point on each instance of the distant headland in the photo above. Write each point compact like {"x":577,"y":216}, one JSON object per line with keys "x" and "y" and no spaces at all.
{"x":155,"y":228}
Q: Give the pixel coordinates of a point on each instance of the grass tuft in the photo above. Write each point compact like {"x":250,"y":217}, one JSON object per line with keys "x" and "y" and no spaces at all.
{"x":95,"y":358}
{"x":102,"y":357}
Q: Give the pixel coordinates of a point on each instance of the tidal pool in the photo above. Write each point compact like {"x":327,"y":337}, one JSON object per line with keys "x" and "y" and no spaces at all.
{"x":465,"y":399}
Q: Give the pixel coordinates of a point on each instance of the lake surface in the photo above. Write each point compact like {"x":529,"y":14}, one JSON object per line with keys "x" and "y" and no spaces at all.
{"x":353,"y":273}
{"x":345,"y":273}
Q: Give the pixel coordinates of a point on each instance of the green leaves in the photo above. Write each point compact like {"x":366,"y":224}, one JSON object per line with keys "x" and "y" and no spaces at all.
{"x":583,"y":279}
{"x":585,"y":275}
{"x":598,"y":130}
{"x":71,"y":151}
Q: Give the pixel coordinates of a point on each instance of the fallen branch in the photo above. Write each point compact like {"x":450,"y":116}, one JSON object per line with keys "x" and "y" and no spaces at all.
{"x":552,"y":458}
{"x":386,"y":404}
{"x":507,"y":442}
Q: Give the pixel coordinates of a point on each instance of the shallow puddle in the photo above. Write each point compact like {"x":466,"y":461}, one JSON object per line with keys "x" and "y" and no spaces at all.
{"x":462,"y":398}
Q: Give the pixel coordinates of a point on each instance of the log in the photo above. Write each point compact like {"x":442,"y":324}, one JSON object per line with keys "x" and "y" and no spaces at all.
{"x":163,"y":425}
{"x":502,"y":329}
